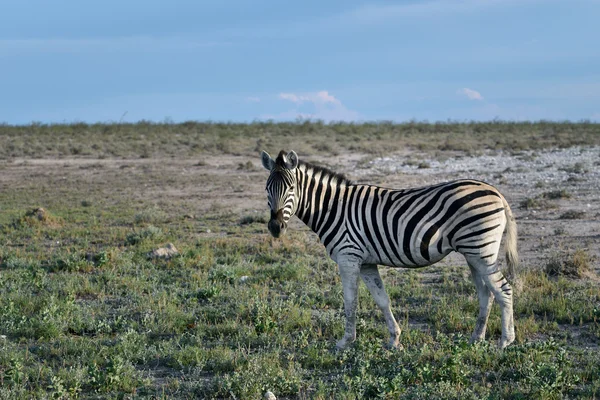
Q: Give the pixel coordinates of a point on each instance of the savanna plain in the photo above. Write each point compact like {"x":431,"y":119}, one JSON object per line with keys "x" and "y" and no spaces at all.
{"x":87,"y":311}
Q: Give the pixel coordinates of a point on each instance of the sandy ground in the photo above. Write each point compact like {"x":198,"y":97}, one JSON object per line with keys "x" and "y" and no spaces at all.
{"x":209,"y":185}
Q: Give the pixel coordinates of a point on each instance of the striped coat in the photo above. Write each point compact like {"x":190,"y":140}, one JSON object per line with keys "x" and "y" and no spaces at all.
{"x":362,"y":226}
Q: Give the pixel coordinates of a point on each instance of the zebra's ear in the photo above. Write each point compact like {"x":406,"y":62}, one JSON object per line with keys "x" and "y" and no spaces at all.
{"x":267,"y":161}
{"x":292,"y":160}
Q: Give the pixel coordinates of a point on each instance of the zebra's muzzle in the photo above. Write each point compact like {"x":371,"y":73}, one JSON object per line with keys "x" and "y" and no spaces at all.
{"x":277,"y":225}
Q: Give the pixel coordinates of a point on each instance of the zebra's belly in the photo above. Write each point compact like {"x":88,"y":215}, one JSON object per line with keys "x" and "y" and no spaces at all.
{"x":404,"y":261}
{"x":349,"y":248}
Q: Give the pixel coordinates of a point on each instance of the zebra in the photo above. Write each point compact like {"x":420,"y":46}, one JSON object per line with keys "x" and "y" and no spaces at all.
{"x":363,"y":226}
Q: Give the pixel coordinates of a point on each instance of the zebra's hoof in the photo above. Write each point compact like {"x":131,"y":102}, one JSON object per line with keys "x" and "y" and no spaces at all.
{"x":394,"y":346}
{"x":344,"y":343}
{"x":476,"y":339}
{"x":505,"y":342}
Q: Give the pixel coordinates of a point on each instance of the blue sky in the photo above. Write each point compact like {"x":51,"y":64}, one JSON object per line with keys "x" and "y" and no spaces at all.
{"x":103,"y":61}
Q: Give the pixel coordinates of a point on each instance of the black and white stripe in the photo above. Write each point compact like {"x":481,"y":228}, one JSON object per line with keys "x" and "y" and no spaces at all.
{"x":365,"y":225}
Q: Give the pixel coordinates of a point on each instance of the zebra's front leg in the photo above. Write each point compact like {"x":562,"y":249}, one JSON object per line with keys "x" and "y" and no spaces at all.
{"x":370,"y":275}
{"x":349,"y":274}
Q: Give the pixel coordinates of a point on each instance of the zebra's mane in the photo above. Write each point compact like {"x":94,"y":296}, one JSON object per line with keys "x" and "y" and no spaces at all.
{"x":335,"y":176}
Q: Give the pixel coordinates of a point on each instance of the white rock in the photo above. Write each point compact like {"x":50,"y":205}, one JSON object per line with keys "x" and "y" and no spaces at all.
{"x":270,"y":396}
{"x":244,"y":278}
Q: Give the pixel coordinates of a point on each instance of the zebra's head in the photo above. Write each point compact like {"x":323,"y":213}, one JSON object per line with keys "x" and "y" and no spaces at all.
{"x":282,"y":191}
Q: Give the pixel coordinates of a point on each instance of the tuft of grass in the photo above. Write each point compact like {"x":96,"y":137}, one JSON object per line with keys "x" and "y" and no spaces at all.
{"x":572,"y":264}
{"x":150,"y":232}
{"x":536,"y":203}
{"x":253,"y":219}
{"x":150,"y":215}
{"x":541,"y":202}
{"x":556,"y":194}
{"x":559,"y":230}
{"x":577,"y":168}
{"x":575,"y":179}
{"x":572,"y":214}
{"x":37,"y":217}
{"x":247,"y":166}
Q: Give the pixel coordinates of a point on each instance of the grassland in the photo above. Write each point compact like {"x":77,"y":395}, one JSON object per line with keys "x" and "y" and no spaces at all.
{"x":86,"y":313}
{"x":191,"y":139}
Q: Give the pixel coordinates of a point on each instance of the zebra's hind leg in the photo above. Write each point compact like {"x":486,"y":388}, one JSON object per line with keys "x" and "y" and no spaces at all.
{"x":370,"y":275}
{"x":349,"y":273}
{"x":485,"y":305}
{"x":502,"y":291}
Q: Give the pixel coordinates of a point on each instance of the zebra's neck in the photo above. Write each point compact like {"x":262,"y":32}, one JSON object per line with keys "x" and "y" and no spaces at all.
{"x":321,"y":194}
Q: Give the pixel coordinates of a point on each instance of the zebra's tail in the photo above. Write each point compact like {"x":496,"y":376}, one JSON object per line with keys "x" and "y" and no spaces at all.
{"x":512,"y":257}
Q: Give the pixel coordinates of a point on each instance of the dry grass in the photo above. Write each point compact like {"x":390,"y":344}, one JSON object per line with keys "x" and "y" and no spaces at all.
{"x":576,"y":264}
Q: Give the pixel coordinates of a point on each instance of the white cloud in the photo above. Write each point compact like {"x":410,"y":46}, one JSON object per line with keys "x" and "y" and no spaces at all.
{"x":470,"y":93}
{"x":322,"y":97}
{"x":325,"y":97}
{"x":323,"y":105}
{"x":293,"y":98}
